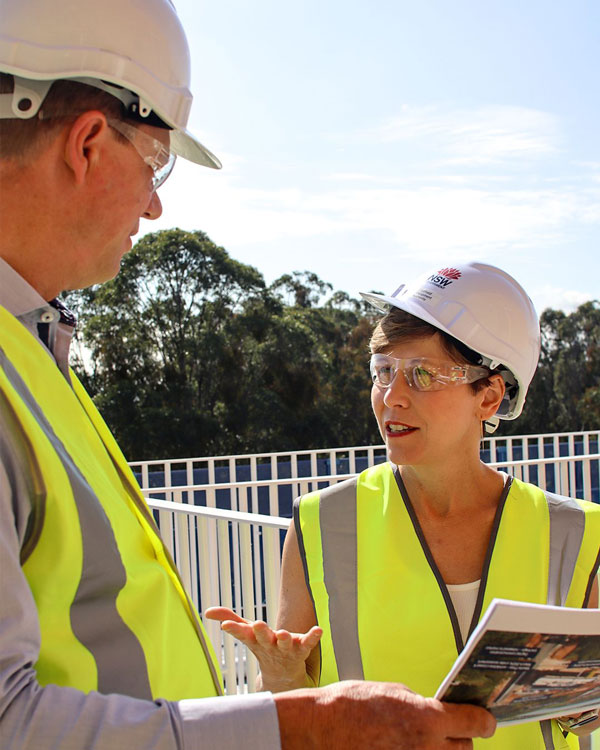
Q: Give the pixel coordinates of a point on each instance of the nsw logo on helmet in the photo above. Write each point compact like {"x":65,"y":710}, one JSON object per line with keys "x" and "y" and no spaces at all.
{"x":444,"y":277}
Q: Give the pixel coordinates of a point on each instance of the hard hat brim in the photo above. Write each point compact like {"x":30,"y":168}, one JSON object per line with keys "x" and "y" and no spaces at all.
{"x":385,"y":303}
{"x":186,"y":145}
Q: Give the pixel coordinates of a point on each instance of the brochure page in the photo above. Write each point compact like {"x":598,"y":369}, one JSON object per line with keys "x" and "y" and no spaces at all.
{"x":527,"y":662}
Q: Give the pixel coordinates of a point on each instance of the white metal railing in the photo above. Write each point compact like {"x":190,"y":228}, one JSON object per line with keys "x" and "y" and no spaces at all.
{"x":268,"y":482}
{"x":567,"y":475}
{"x":229,"y":559}
{"x":232,"y":557}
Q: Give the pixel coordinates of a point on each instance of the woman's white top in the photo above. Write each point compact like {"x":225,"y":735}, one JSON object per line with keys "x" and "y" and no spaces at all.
{"x":464,"y":595}
{"x":464,"y":598}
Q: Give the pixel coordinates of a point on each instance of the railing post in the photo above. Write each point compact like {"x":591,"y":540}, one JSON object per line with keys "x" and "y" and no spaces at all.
{"x":586,"y":470}
{"x":226,"y":601}
{"x":333,"y":462}
{"x":272,"y":564}
{"x":182,"y":546}
{"x":255,"y":532}
{"x":208,"y":574}
{"x":248,"y":600}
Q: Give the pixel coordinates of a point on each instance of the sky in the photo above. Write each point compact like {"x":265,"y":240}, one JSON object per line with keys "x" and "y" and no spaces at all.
{"x":370,"y":141}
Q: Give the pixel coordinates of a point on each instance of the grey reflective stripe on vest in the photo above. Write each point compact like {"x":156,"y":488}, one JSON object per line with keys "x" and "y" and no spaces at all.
{"x":546,"y":727}
{"x":118,"y":655}
{"x":567,"y":524}
{"x":130,"y":487}
{"x":337,"y":519}
{"x":24,"y":475}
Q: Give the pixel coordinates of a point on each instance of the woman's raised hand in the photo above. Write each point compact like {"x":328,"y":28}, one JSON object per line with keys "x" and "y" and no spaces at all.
{"x":281,"y":654}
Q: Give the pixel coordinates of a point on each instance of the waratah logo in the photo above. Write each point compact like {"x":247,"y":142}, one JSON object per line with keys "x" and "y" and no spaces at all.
{"x":445,"y":277}
{"x":450,"y":273}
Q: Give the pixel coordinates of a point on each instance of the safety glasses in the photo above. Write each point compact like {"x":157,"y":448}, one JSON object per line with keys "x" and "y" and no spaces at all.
{"x":423,"y":373}
{"x":154,"y":153}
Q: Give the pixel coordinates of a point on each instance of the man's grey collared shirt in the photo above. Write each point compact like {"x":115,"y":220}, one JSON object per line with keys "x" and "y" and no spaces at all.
{"x":57,"y":718}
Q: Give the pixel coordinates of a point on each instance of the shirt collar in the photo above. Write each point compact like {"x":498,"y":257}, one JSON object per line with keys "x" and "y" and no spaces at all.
{"x":50,"y":322}
{"x":16,"y":295}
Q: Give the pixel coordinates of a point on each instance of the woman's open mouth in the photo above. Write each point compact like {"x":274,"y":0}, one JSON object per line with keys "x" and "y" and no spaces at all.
{"x":398,"y":429}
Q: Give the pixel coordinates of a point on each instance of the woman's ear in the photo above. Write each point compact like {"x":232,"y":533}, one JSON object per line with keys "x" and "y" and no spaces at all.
{"x":490,"y":397}
{"x":84,"y":142}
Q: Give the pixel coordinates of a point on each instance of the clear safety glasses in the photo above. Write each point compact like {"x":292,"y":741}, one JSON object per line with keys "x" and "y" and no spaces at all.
{"x":423,"y":373}
{"x":154,"y":153}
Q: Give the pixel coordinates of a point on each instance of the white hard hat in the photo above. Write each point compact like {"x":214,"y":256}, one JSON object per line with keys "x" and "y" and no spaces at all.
{"x":124,"y":47}
{"x":485,"y":309}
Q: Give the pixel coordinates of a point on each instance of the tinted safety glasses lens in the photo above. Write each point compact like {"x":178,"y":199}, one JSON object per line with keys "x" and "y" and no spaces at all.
{"x":422,"y":373}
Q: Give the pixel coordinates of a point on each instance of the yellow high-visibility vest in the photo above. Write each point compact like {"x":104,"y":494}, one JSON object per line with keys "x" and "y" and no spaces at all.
{"x":113,"y":613}
{"x":385,"y":611}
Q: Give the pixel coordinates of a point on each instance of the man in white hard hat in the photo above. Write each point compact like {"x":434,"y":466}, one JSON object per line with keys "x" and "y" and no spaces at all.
{"x":100,"y":647}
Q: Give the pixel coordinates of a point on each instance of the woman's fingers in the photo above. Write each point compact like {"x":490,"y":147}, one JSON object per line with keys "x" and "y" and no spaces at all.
{"x":222,"y":614}
{"x":260,"y":638}
{"x":305,"y":642}
{"x":309,"y":640}
{"x":263,"y":634}
{"x":232,"y":624}
{"x":242,"y":631}
{"x":285,"y":641}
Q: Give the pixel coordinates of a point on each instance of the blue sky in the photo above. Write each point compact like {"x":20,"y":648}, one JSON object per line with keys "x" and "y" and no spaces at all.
{"x":371,"y":141}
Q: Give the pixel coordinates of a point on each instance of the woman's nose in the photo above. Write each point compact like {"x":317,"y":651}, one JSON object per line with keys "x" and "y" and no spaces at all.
{"x":398,"y":391}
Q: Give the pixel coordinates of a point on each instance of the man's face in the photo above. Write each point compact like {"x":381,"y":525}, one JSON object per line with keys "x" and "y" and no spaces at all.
{"x":123,"y":192}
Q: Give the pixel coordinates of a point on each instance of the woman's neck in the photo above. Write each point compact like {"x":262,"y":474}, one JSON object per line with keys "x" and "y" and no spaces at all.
{"x":455,"y":511}
{"x":452,"y":489}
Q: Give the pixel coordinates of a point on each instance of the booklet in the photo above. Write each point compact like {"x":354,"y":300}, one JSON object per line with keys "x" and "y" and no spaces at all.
{"x":527,"y":662}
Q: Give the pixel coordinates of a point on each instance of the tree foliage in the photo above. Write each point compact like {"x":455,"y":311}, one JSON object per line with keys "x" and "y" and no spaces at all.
{"x":564,"y":395}
{"x":189,"y":352}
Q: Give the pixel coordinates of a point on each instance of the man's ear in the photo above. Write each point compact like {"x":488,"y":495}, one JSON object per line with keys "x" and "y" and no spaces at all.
{"x":491,"y":397}
{"x":84,"y":142}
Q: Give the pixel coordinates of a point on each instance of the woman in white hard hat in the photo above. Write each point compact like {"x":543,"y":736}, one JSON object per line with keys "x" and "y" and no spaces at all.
{"x":385,"y":575}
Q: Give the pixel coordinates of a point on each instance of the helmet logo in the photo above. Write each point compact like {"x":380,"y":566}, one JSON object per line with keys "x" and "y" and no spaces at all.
{"x":445,"y":277}
{"x":450,"y":273}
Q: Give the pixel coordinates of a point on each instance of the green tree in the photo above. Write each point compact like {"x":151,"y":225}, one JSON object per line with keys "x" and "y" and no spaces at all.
{"x":155,"y":336}
{"x":564,"y":395}
{"x":187,"y":352}
{"x":300,"y":288}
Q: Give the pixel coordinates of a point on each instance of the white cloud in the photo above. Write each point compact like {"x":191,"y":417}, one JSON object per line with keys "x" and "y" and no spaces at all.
{"x":232,"y":214}
{"x":560,"y":299}
{"x":408,"y":182}
{"x":481,"y":135}
{"x":449,"y":218}
{"x":345,"y":223}
{"x":424,"y":218}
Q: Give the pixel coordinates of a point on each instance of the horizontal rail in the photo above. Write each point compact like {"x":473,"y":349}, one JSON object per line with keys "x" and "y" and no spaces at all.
{"x":218,"y":513}
{"x":339,"y":477}
{"x":594,"y":434}
{"x":255,"y":483}
{"x":545,"y":461}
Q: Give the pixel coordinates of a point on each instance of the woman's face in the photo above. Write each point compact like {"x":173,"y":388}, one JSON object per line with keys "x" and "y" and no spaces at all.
{"x":426,"y":427}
